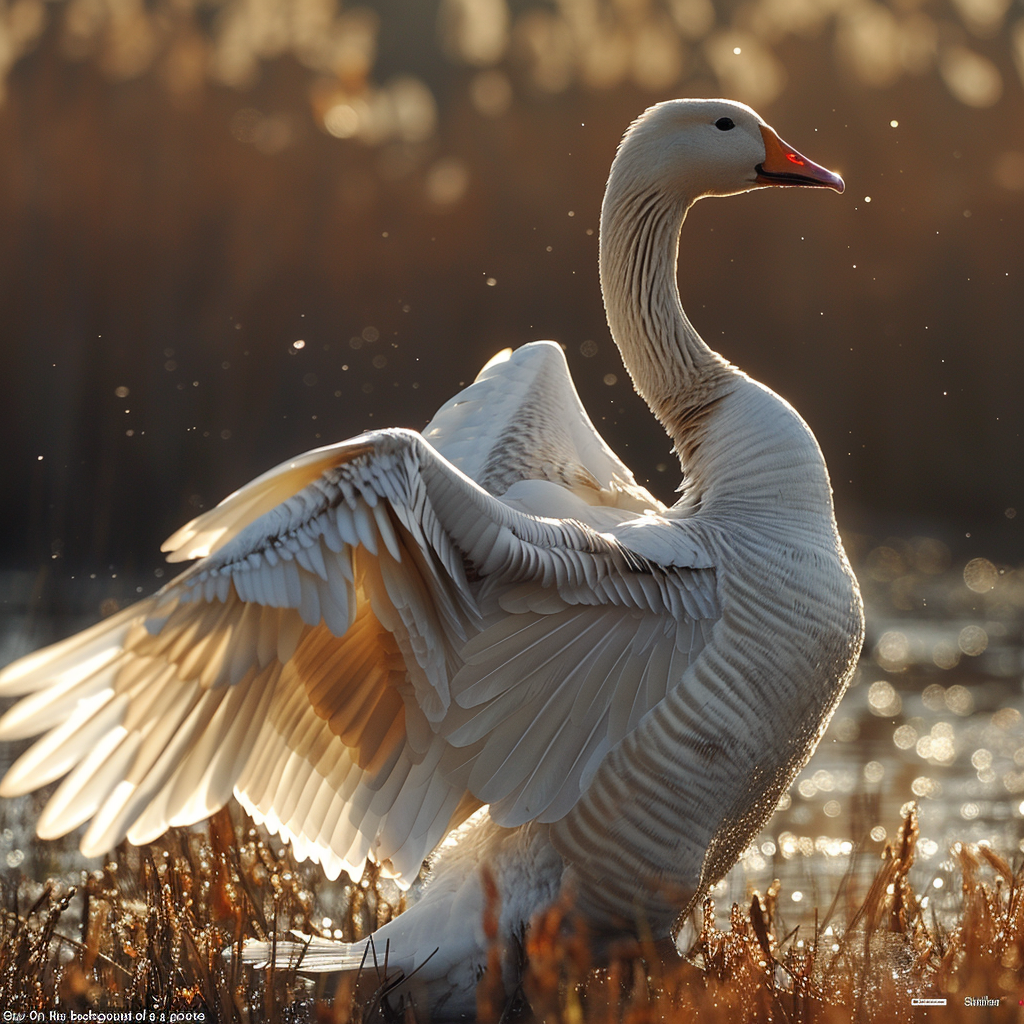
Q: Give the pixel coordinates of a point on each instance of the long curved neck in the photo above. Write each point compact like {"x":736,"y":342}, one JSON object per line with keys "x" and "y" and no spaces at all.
{"x":737,"y":441}
{"x":677,"y":374}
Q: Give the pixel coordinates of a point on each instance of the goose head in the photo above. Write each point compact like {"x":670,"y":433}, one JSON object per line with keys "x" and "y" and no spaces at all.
{"x":690,"y":148}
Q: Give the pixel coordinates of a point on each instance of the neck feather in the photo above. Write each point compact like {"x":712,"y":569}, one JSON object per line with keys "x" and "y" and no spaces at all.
{"x":740,"y":445}
{"x":677,"y":374}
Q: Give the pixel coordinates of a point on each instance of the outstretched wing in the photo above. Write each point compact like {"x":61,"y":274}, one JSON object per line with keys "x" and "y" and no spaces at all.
{"x":373,"y":647}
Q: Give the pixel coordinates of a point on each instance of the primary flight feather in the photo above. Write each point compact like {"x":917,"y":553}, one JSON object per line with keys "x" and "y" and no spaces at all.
{"x":489,"y":631}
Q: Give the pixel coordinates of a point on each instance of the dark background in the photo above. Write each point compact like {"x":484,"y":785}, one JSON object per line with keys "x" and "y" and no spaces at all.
{"x":174,"y":217}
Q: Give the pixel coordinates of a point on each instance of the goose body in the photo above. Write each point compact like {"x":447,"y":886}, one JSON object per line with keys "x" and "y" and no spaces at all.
{"x":489,"y":631}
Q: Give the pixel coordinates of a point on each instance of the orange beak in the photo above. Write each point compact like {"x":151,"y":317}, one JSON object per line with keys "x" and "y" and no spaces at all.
{"x":783,"y":165}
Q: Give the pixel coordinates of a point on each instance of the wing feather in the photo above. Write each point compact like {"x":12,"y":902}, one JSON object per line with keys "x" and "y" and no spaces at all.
{"x":72,"y":659}
{"x":55,"y":755}
{"x":372,"y":645}
{"x":139,"y":807}
{"x":85,"y":788}
{"x":46,"y":709}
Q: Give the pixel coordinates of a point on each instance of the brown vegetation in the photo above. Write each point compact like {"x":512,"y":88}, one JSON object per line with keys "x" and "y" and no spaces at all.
{"x":153,"y":926}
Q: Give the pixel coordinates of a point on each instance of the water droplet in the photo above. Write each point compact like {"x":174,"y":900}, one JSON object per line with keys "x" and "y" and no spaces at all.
{"x":980,"y":575}
{"x":972,"y":640}
{"x":905,"y":737}
{"x":883,"y":700}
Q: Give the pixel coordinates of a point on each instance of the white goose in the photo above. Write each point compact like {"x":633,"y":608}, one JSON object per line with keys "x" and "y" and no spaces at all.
{"x":385,"y":635}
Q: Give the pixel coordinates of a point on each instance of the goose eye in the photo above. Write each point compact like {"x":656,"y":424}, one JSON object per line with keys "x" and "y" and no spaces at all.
{"x":723,"y":124}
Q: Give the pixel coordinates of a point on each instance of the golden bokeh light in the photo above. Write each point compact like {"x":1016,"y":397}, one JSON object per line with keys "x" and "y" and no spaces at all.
{"x":868,"y":42}
{"x":973,"y":79}
{"x":982,"y":17}
{"x":693,"y":18}
{"x":745,"y":67}
{"x":491,"y":93}
{"x":892,"y":652}
{"x":475,"y":31}
{"x":660,"y":46}
{"x":980,"y":575}
{"x":447,"y":181}
{"x":883,"y":700}
{"x":972,"y":640}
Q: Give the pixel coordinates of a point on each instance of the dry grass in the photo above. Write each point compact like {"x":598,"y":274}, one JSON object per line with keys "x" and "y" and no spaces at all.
{"x":147,"y":933}
{"x":882,"y":952}
{"x":150,"y":931}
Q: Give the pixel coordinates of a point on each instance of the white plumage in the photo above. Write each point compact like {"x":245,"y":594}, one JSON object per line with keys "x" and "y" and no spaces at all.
{"x":384,"y":635}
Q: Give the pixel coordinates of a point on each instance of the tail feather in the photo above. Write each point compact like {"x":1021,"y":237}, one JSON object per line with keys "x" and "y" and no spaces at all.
{"x":311,"y":953}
